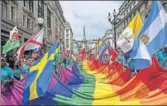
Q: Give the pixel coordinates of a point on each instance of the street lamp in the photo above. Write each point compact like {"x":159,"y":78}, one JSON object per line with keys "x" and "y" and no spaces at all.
{"x":114,"y":22}
{"x":40,"y":22}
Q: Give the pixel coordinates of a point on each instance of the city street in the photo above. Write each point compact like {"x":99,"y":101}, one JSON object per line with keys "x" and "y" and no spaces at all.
{"x":83,"y":52}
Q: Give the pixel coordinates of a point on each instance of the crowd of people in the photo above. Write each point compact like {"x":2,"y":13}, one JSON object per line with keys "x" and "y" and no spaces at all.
{"x":12,"y":69}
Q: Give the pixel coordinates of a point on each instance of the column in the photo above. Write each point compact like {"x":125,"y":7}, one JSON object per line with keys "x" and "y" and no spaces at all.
{"x":9,"y":10}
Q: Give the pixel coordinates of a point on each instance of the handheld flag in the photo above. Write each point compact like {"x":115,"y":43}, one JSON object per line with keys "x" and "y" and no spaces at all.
{"x":40,"y":75}
{"x":35,"y":41}
{"x":126,"y":40}
{"x":13,"y":41}
{"x":151,"y":38}
{"x":102,"y":48}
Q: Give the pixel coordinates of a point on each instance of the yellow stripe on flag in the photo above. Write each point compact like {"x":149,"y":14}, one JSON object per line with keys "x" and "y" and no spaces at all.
{"x":136,"y":24}
{"x":39,"y":68}
{"x":126,"y":39}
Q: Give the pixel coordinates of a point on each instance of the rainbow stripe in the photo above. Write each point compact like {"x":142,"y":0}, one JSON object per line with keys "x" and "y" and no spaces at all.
{"x":91,"y":83}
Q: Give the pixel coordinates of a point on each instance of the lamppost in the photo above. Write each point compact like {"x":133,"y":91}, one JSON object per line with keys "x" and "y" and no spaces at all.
{"x":40,"y":22}
{"x":115,"y":21}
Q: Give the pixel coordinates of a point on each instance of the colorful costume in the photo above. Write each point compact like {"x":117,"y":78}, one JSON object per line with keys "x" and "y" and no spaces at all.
{"x":6,"y":73}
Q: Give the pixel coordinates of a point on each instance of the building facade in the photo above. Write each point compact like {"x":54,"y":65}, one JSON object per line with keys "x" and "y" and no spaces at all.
{"x":68,"y":37}
{"x":108,"y":37}
{"x":24,"y":14}
{"x":128,"y":10}
{"x":78,"y":45}
{"x":75,"y":47}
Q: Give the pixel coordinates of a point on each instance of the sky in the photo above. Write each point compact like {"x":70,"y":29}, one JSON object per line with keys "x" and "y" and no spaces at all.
{"x":91,"y":14}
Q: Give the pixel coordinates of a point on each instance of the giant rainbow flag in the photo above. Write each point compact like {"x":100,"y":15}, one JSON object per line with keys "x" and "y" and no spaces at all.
{"x":91,"y":83}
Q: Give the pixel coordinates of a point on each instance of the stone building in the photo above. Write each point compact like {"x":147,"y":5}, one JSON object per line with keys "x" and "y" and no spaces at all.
{"x":75,"y":47}
{"x":68,"y":37}
{"x":128,"y":10}
{"x":25,"y":13}
{"x":108,"y":37}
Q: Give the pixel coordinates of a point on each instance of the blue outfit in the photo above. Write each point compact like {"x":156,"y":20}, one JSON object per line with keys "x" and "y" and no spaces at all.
{"x":16,"y":73}
{"x":67,"y":62}
{"x":25,"y":69}
{"x":128,"y":63}
{"x":162,"y":58}
{"x":6,"y":73}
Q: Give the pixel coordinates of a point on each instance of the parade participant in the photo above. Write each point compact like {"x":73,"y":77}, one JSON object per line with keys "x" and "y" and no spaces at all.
{"x":6,"y":73}
{"x":120,"y":59}
{"x":36,"y":56}
{"x":26,"y":64}
{"x":17,"y":71}
{"x":57,"y":62}
{"x":21,"y":68}
{"x":162,"y":57}
{"x":68,"y":62}
{"x":10,"y":60}
{"x":129,"y":63}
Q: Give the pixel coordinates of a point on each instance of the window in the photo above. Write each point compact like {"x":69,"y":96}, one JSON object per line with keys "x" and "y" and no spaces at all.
{"x":66,"y":41}
{"x":4,"y":9}
{"x":67,"y":35}
{"x":67,"y":30}
{"x":41,"y":8}
{"x":134,"y":3}
{"x":25,"y":39}
{"x":24,"y":19}
{"x":12,"y":13}
{"x":28,"y":23}
{"x":56,"y":30}
{"x":130,"y":8}
{"x":48,"y":18}
{"x":55,"y":20}
{"x":32,"y":25}
{"x":67,"y":46}
{"x":29,"y":4}
{"x":26,"y":3}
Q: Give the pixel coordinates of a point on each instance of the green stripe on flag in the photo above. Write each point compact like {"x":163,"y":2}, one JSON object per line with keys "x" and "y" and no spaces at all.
{"x":11,"y":44}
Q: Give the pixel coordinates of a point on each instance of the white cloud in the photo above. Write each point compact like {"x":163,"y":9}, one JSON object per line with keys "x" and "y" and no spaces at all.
{"x":92,"y":14}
